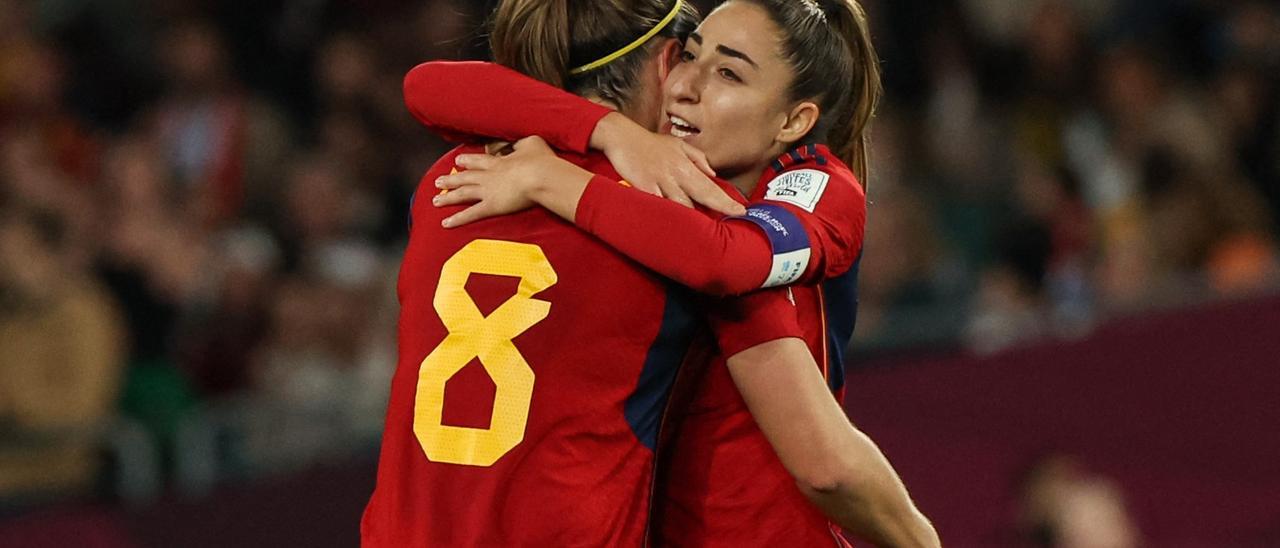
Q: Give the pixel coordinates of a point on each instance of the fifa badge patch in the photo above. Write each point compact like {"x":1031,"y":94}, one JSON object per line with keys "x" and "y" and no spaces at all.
{"x":803,"y":188}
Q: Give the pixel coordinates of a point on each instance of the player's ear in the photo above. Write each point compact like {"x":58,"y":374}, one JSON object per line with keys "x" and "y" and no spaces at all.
{"x":668,"y":57}
{"x":799,"y":121}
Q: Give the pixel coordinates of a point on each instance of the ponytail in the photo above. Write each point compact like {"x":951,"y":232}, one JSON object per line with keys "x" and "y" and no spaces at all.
{"x":828,"y":45}
{"x":849,"y":136}
{"x":532,"y":37}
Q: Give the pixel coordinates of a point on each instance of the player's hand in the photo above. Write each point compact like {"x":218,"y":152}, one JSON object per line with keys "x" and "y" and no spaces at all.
{"x":661,"y":165}
{"x":499,"y":185}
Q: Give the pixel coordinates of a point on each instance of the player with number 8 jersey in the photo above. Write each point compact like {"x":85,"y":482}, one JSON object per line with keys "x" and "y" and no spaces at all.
{"x":535,"y":369}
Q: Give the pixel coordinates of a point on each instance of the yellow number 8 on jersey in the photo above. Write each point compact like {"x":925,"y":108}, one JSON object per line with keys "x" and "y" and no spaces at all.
{"x":488,"y":338}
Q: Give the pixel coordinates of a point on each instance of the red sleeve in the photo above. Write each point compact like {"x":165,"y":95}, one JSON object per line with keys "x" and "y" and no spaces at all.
{"x":742,"y":322}
{"x":465,"y":100}
{"x":806,"y":226}
{"x":811,"y":186}
{"x":710,"y":255}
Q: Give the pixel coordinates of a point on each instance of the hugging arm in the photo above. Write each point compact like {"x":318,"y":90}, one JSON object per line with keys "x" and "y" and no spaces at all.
{"x":837,"y":467}
{"x":471,"y":100}
{"x":770,"y":244}
{"x":706,"y":252}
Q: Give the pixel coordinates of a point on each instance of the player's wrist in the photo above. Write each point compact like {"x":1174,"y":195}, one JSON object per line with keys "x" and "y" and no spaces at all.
{"x":613,"y":132}
{"x":557,"y":180}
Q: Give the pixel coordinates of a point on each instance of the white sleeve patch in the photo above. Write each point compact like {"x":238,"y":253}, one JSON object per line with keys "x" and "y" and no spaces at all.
{"x":788,"y":267}
{"x":802,"y":187}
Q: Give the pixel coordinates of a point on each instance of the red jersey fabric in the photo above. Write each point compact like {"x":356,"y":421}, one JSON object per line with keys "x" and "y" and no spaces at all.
{"x":535,"y":367}
{"x":720,"y":483}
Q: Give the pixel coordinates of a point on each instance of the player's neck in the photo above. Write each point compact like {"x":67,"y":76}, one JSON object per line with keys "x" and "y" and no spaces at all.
{"x":641,"y":112}
{"x":603,"y":102}
{"x":746,"y":181}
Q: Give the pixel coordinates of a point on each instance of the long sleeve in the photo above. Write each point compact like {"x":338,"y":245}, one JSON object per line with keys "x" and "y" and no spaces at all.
{"x":470,"y":100}
{"x":804,"y":225}
{"x":720,"y":256}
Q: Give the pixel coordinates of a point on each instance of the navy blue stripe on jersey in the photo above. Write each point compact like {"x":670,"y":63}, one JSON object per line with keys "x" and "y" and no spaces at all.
{"x":795,"y":156}
{"x":840,"y":296}
{"x":412,"y":198}
{"x":644,"y":407}
{"x":777,"y":166}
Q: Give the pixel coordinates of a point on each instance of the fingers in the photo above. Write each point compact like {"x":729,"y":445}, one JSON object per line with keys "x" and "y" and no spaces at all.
{"x":713,"y":197}
{"x":463,"y":195}
{"x":457,"y":180}
{"x":672,"y":191}
{"x":531,"y":143}
{"x":655,"y":190}
{"x":467,"y":216}
{"x":699,"y":159}
{"x":476,"y":162}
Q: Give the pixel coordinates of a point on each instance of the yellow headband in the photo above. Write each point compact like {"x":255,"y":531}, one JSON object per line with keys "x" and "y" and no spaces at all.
{"x":632,"y":46}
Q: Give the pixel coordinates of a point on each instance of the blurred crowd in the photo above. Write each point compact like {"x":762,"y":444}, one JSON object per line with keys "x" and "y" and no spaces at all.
{"x":203,"y":205}
{"x":1044,"y":165}
{"x":201,"y":214}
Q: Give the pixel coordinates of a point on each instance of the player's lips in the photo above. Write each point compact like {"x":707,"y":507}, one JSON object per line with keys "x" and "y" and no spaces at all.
{"x":681,"y":128}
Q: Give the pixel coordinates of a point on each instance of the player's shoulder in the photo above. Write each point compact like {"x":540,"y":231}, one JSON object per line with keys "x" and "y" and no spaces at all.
{"x":810,"y":176}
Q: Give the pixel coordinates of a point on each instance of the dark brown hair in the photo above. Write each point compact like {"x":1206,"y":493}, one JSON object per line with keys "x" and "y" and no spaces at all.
{"x":828,"y":45}
{"x":546,"y":39}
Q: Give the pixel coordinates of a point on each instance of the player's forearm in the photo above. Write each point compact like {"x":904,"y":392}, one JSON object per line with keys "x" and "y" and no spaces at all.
{"x":838,"y":467}
{"x":469,"y":99}
{"x":865,"y":496}
{"x":714,"y":256}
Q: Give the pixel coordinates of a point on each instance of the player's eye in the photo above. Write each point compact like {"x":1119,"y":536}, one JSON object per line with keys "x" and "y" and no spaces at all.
{"x":687,"y":56}
{"x":728,"y":74}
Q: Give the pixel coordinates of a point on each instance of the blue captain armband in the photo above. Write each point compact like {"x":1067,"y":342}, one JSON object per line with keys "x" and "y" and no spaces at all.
{"x":787,"y":237}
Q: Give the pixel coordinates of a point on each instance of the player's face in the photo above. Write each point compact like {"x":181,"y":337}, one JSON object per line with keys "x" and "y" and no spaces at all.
{"x":728,"y":95}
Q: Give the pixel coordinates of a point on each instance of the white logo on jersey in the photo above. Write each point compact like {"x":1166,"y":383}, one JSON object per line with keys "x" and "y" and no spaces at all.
{"x":803,"y":187}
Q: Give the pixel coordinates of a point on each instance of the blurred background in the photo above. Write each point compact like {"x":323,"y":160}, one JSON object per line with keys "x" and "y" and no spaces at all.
{"x":1070,"y":323}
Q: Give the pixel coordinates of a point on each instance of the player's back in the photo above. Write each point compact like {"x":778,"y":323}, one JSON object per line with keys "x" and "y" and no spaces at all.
{"x":535,"y":366}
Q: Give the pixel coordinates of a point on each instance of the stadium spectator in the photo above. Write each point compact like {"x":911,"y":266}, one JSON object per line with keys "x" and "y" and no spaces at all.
{"x":1063,"y":505}
{"x":61,"y":361}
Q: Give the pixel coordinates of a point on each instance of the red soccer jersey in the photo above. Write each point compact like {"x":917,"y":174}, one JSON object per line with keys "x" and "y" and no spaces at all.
{"x":535,"y":366}
{"x":722,"y":484}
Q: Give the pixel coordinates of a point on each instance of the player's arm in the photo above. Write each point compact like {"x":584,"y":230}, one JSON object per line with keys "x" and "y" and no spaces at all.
{"x":836,"y":466}
{"x":772,"y":243}
{"x":471,"y":101}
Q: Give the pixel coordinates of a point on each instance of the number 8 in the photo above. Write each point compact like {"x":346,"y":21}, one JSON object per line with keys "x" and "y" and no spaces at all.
{"x":488,"y":338}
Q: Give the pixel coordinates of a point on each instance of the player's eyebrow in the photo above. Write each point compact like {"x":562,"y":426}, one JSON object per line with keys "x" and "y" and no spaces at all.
{"x":730,"y":52}
{"x":725,"y":50}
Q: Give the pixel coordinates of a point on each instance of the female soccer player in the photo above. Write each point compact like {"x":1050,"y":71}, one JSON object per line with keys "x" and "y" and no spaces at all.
{"x":738,"y":98}
{"x":503,"y":428}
